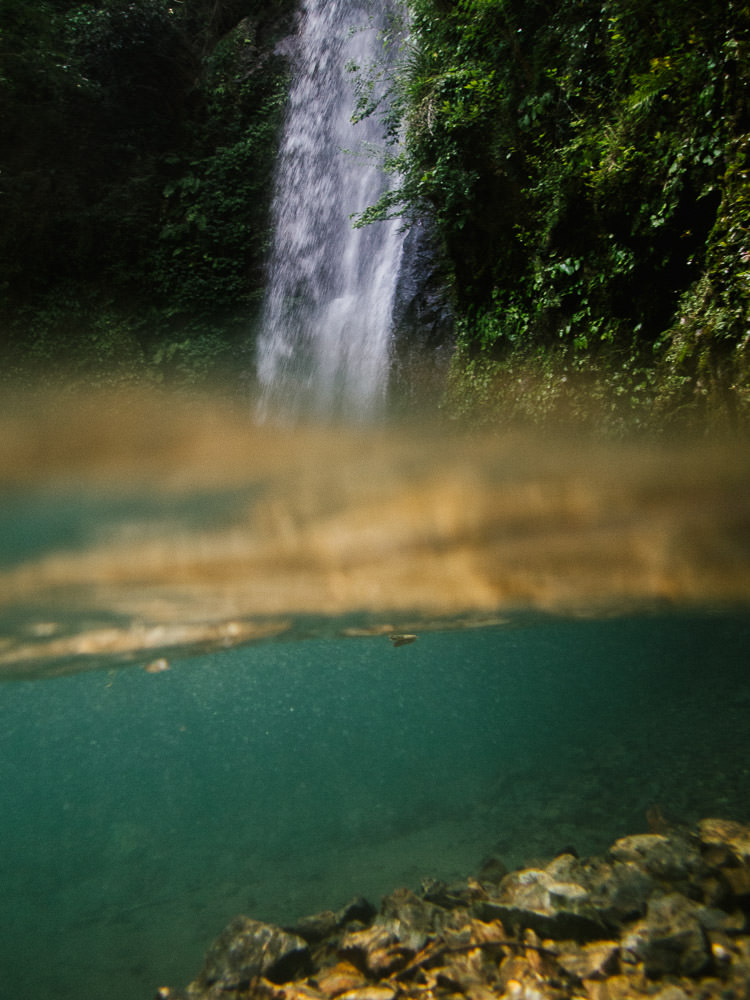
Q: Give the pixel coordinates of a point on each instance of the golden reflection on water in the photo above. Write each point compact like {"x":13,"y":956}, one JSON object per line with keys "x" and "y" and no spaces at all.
{"x":255,"y":531}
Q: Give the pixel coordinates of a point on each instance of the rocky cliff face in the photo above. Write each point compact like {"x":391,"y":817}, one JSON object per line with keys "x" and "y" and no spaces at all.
{"x":423,"y":337}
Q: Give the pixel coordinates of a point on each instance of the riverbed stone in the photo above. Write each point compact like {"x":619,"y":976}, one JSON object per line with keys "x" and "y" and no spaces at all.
{"x":570,"y":897}
{"x":619,"y":891}
{"x":669,"y":939}
{"x":667,"y":858}
{"x":594,"y":961}
{"x":249,"y":949}
{"x":359,"y":910}
{"x":534,"y":898}
{"x":377,"y":950}
{"x":671,"y":992}
{"x":337,"y":979}
{"x":370,"y":993}
{"x":726,"y":853}
{"x":358,"y":913}
{"x":402,"y":928}
{"x":728,"y":834}
{"x":662,"y":916}
{"x":315,"y":927}
{"x":454,"y":894}
{"x":413,"y":914}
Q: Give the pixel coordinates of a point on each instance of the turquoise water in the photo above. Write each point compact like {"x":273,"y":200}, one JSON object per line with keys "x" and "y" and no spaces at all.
{"x":141,"y":812}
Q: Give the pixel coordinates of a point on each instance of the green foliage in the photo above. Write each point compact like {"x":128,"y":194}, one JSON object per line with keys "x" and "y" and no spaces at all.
{"x":611,"y":395}
{"x":708,"y":346}
{"x":586,"y":165}
{"x":207,"y":260}
{"x":137,"y":139}
{"x":76,"y":332}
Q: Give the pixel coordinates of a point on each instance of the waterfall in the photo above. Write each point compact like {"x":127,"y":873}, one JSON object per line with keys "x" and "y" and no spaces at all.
{"x":323,"y":349}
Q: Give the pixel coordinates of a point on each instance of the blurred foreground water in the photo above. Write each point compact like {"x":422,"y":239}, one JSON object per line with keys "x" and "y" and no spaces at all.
{"x":582,"y":621}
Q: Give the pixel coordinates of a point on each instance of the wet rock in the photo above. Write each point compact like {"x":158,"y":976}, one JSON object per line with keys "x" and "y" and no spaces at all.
{"x":738,"y":880}
{"x":726,"y":853}
{"x":423,"y":322}
{"x":468,"y":973}
{"x":616,"y":891}
{"x":248,"y":949}
{"x":717,"y":921}
{"x":552,"y":907}
{"x":400,"y":930}
{"x":726,"y":834}
{"x":570,"y":898}
{"x":262,"y":989}
{"x":370,"y":993}
{"x":469,"y":933}
{"x":315,"y":927}
{"x":435,"y":890}
{"x":672,"y":858}
{"x":672,"y":904}
{"x":671,"y":993}
{"x":455,"y":895}
{"x":318,"y":926}
{"x":408,"y":925}
{"x":340,"y":978}
{"x":408,"y":907}
{"x":358,"y":909}
{"x":590,"y":961}
{"x":377,"y":951}
{"x":669,"y":939}
{"x":413,"y":920}
{"x":522,"y":979}
{"x":620,"y":891}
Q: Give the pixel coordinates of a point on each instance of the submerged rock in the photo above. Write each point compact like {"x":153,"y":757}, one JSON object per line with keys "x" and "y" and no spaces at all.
{"x":726,"y":853}
{"x":664,"y":915}
{"x":554,"y":908}
{"x":246,"y":951}
{"x":671,"y":859}
{"x":343,"y":977}
{"x":570,"y":898}
{"x":405,"y":924}
{"x":670,"y":939}
{"x":728,"y":835}
{"x":590,"y":961}
{"x":324,"y":924}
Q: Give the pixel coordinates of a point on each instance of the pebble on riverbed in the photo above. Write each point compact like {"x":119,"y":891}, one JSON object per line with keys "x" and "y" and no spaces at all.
{"x":663,"y":915}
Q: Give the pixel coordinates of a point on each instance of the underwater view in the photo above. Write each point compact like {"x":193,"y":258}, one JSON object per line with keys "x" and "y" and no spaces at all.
{"x":142,"y":812}
{"x":259,"y":672}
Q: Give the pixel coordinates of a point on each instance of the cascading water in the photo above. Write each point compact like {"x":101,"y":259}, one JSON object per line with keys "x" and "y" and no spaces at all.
{"x":324,"y":343}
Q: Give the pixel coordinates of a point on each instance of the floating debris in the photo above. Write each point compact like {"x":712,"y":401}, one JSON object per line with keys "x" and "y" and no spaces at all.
{"x":402,"y":638}
{"x":157,"y":666}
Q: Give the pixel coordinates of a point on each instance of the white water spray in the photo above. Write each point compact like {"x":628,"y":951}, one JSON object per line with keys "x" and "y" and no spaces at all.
{"x":324,"y":344}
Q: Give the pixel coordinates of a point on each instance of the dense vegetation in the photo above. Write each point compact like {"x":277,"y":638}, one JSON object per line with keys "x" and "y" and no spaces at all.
{"x":585,"y":162}
{"x":137,"y":141}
